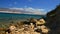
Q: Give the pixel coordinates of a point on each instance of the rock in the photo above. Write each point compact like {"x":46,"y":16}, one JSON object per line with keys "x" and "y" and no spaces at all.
{"x":40,"y":22}
{"x":53,"y":20}
{"x":12,"y":28}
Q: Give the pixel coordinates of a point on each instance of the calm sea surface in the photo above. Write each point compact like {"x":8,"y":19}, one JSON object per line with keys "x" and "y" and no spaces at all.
{"x":7,"y":17}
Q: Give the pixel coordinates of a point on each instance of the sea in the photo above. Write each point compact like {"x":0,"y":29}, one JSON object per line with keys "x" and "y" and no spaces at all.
{"x":8,"y":17}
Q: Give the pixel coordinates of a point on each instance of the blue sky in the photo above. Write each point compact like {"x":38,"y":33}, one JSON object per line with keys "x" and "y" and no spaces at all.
{"x":40,"y":4}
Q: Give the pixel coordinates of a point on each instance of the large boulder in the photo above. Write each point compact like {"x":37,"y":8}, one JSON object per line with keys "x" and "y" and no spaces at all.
{"x":53,"y":20}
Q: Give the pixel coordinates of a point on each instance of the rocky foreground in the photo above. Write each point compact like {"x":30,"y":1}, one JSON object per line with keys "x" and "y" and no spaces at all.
{"x":33,"y":26}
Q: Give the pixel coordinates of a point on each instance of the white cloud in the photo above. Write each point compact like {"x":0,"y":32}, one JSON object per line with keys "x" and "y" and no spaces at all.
{"x":31,"y":10}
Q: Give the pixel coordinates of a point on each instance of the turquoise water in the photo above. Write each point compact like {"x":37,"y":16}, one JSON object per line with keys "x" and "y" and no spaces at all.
{"x":7,"y":17}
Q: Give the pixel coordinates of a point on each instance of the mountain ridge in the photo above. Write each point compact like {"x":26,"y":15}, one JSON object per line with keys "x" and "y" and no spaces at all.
{"x":7,"y":10}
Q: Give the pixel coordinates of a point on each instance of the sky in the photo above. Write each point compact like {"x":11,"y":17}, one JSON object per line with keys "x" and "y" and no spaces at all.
{"x":42,"y":5}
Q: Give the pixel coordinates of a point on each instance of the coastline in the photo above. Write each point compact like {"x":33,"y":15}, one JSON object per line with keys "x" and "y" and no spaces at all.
{"x":28,"y":23}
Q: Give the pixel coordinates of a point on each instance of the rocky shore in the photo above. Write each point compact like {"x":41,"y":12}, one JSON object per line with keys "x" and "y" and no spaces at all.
{"x":32,"y":26}
{"x":49,"y":25}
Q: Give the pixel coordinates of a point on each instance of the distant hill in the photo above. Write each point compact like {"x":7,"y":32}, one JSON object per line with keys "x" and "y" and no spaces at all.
{"x":7,"y":10}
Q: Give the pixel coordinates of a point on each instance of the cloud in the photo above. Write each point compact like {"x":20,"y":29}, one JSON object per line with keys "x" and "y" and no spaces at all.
{"x":29,"y":0}
{"x":10,"y":4}
{"x":15,"y":2}
{"x":31,"y":10}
